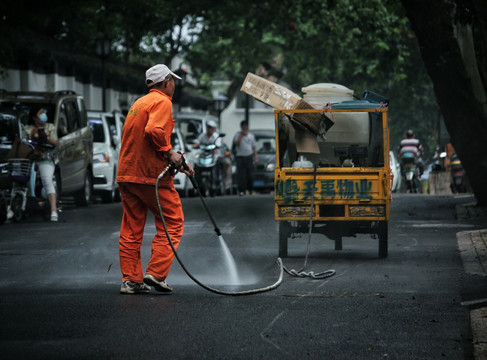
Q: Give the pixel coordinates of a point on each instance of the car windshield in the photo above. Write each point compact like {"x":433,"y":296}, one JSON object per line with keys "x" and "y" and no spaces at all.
{"x":190,"y":128}
{"x":266,"y":145}
{"x":8,"y":128}
{"x":97,"y":130}
{"x":21,"y":110}
{"x":111,"y":124}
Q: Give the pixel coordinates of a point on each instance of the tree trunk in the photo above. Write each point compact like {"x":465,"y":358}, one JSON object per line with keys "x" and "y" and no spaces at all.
{"x":448,"y":47}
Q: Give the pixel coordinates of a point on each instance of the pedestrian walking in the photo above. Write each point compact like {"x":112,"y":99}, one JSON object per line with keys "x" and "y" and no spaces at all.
{"x":145,"y":151}
{"x":246,"y":152}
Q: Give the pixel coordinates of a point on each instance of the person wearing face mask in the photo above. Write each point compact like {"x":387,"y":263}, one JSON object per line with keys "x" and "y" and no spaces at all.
{"x":39,"y":130}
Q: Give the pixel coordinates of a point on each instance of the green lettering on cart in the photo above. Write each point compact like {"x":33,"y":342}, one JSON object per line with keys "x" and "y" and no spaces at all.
{"x":291,"y":190}
{"x":345,"y":189}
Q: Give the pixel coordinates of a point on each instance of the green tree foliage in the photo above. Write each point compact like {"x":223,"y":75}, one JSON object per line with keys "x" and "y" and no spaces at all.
{"x":359,"y":44}
{"x":453,"y":45}
{"x":362,"y":45}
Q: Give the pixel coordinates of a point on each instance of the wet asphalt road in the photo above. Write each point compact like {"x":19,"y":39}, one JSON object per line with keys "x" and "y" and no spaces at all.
{"x":59,"y":289}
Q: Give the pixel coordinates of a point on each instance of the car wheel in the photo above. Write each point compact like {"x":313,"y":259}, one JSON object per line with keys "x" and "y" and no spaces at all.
{"x":85,"y":195}
{"x":59,"y":188}
{"x":118,"y":197}
{"x":108,"y":196}
{"x":187,"y":188}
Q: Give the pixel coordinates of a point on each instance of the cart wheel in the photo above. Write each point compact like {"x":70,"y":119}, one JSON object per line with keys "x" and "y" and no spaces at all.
{"x":383,"y":238}
{"x":284,"y":233}
{"x":338,"y":243}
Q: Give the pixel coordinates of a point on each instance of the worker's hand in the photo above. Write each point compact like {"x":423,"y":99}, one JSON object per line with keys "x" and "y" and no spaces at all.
{"x":175,"y":159}
{"x":188,"y":171}
{"x":185,"y":167}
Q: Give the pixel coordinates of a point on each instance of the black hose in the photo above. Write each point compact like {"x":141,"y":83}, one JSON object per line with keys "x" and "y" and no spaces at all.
{"x":216,"y":291}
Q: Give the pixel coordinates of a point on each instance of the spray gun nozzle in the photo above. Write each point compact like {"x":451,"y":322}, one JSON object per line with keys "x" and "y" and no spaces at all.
{"x":185,"y":166}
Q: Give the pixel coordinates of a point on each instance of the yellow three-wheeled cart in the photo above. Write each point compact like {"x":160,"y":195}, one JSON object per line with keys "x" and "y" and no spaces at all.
{"x":343,"y":190}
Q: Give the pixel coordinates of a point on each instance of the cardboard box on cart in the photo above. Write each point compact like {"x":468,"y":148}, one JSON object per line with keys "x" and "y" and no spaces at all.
{"x":279,"y":97}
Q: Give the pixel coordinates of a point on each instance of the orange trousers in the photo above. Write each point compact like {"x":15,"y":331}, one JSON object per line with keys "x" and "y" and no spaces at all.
{"x":137,"y":199}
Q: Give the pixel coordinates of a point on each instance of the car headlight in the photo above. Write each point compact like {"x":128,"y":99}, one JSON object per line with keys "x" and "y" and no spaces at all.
{"x":270,"y":167}
{"x":101,"y":158}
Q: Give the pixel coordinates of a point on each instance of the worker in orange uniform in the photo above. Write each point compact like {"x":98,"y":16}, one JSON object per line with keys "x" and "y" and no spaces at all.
{"x":146,"y":151}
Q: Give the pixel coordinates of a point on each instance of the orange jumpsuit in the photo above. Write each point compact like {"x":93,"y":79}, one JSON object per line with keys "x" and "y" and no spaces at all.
{"x":146,"y":134}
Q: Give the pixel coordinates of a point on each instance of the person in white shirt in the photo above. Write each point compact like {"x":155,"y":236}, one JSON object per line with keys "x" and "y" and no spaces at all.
{"x":211,"y":136}
{"x":246,"y":152}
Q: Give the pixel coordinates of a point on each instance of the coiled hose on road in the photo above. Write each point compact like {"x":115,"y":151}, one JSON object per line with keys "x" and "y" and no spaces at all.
{"x":301,"y":272}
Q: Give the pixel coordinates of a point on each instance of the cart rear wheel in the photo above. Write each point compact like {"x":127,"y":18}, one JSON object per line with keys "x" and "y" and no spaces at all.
{"x":284,"y":233}
{"x":383,"y":235}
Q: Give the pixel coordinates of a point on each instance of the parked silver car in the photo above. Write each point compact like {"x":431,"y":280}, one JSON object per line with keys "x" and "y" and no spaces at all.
{"x":74,"y":152}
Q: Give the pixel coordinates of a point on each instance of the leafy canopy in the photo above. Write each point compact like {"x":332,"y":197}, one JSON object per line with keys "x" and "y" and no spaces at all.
{"x":359,"y":44}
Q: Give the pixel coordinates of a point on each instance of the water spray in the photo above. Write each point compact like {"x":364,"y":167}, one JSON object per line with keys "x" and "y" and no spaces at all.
{"x":217,"y":230}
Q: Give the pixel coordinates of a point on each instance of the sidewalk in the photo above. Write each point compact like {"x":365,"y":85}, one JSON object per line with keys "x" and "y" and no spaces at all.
{"x":473,"y":250}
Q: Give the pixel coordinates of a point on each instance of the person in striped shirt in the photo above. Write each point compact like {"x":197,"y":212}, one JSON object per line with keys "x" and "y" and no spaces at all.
{"x":410,"y":149}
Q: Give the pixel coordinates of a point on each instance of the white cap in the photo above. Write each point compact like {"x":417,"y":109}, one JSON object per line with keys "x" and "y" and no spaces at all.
{"x":158,"y":73}
{"x":211,"y":124}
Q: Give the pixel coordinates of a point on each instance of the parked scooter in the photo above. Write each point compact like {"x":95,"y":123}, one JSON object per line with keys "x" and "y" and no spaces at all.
{"x":22,"y":203}
{"x":207,"y":168}
{"x":411,"y":173}
{"x":458,"y":179}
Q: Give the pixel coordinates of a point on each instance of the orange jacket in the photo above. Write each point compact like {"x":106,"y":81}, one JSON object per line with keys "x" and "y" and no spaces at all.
{"x":146,"y":132}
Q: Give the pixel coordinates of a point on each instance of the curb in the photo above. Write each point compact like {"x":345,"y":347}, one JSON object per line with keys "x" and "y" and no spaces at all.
{"x":478,"y":323}
{"x":473,"y":250}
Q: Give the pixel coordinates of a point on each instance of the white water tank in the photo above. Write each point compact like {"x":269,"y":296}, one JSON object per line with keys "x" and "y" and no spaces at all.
{"x":319,"y":95}
{"x":349,"y":128}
